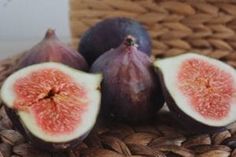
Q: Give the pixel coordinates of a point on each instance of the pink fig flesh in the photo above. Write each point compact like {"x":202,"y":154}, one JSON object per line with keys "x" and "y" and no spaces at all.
{"x":208,"y":88}
{"x":57,"y":104}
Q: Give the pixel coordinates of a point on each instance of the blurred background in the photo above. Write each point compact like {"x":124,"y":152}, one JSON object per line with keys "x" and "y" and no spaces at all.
{"x":24,"y":22}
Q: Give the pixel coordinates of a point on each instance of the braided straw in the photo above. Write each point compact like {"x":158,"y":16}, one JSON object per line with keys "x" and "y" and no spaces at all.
{"x":205,"y":26}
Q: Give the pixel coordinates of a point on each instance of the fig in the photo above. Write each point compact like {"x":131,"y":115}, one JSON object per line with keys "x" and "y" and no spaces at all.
{"x":51,"y":49}
{"x":53,"y":105}
{"x":108,"y":34}
{"x":131,"y":91}
{"x":199,"y":90}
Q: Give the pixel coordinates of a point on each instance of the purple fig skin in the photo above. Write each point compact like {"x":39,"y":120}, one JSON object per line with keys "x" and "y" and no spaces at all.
{"x":38,"y":143}
{"x":109,"y":33}
{"x":51,"y":49}
{"x":130,"y":89}
{"x":187,"y":122}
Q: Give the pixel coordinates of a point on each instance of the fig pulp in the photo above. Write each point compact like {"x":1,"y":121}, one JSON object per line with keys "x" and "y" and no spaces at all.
{"x":54,"y":105}
{"x":199,"y":90}
{"x":51,"y":49}
{"x":108,"y":34}
{"x":130,"y":90}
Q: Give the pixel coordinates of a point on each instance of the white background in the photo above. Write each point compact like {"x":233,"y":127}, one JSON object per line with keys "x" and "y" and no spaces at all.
{"x":23,"y":23}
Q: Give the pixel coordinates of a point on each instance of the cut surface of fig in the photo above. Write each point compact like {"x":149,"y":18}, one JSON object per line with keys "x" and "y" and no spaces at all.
{"x":54,"y":102}
{"x":201,"y":87}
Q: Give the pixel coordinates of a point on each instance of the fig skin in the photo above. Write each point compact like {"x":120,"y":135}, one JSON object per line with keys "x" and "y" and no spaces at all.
{"x":51,"y":49}
{"x":108,"y":34}
{"x":130,"y":89}
{"x":187,"y":122}
{"x":38,"y":143}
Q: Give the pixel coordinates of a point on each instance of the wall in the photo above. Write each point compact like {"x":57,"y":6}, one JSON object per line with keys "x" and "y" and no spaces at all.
{"x":23,"y":23}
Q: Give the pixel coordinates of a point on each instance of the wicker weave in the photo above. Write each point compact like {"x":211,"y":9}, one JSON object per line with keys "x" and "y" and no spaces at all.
{"x":205,"y":26}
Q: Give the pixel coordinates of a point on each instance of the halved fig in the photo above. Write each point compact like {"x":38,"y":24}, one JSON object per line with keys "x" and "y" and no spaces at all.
{"x":199,"y":90}
{"x":54,"y":105}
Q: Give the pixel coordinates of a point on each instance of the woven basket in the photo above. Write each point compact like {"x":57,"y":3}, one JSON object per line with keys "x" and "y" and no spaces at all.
{"x":204,"y":26}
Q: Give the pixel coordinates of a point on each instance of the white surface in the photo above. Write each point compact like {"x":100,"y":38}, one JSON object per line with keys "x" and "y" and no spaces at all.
{"x":23,"y":23}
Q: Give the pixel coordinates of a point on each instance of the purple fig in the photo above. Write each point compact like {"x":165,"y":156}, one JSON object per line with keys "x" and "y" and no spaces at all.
{"x":109,"y":33}
{"x":130,"y":89}
{"x":51,"y":49}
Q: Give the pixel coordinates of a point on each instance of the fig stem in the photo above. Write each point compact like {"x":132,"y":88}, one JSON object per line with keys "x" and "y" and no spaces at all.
{"x":130,"y":41}
{"x":50,"y":34}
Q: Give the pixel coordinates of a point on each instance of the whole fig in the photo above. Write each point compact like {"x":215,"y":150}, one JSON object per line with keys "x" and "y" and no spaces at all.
{"x":51,"y":49}
{"x":109,"y":33}
{"x":130,"y":90}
